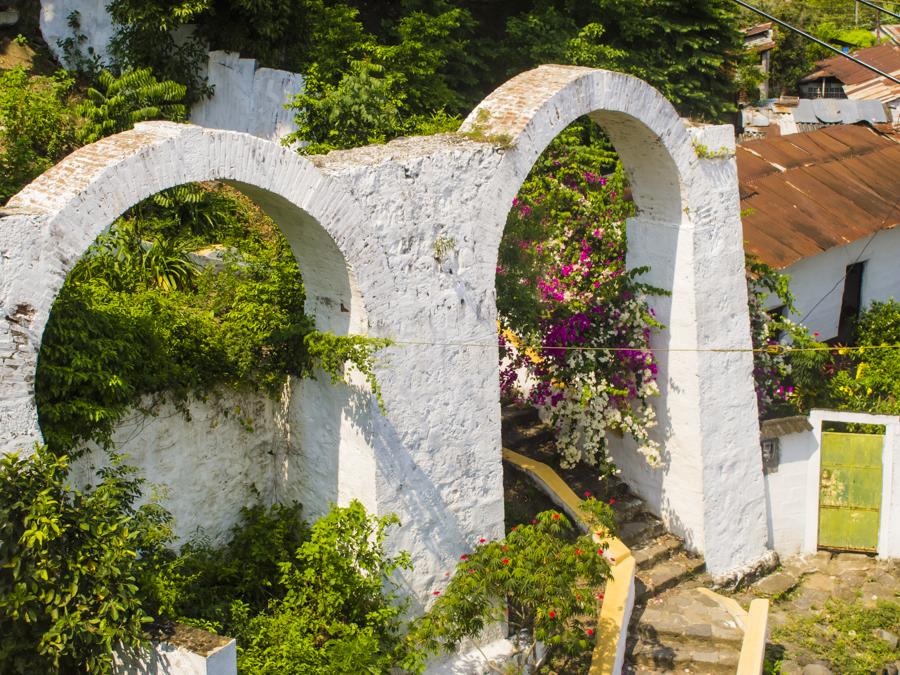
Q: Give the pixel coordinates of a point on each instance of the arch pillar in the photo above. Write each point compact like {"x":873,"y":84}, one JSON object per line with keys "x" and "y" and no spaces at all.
{"x":687,"y":230}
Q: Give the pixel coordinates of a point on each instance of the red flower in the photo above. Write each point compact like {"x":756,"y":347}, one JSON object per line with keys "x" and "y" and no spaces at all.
{"x":599,"y":551}
{"x":587,"y":494}
{"x":514,"y":527}
{"x":551,"y":614}
{"x":612,"y":501}
{"x":436,"y":593}
{"x":464,"y":557}
{"x":482,"y":540}
{"x":555,"y":516}
{"x":577,"y":551}
{"x":471,"y":571}
{"x":599,"y":596}
{"x":589,"y":631}
{"x":534,"y":521}
{"x":505,"y":561}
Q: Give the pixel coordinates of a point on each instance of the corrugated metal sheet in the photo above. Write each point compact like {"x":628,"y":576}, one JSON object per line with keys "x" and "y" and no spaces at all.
{"x":861,"y":83}
{"x":805,"y":193}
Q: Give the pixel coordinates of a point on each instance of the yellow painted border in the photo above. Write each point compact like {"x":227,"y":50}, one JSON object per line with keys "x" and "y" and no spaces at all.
{"x":618,"y":596}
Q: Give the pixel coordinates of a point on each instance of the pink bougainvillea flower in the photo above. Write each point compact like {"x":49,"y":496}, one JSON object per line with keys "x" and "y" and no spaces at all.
{"x":534,"y":521}
{"x":612,"y":501}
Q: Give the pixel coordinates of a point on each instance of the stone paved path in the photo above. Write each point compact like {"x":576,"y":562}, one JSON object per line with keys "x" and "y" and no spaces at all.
{"x":803,"y":584}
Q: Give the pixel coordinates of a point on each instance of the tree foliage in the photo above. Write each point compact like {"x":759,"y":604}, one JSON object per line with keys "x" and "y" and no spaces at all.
{"x":37,"y":126}
{"x":71,"y":564}
{"x":118,"y":103}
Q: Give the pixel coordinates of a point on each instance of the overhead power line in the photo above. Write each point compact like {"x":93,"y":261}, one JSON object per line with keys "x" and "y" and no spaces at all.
{"x":817,"y":40}
{"x":880,"y":9}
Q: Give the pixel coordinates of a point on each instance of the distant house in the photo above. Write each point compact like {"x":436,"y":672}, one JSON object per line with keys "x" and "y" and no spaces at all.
{"x":761,"y":40}
{"x":823,"y":207}
{"x":839,"y":77}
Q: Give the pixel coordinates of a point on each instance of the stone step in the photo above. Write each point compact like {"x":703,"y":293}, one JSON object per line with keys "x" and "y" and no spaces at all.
{"x":514,"y":415}
{"x":643,"y":529}
{"x":533,"y":436}
{"x":627,"y":508}
{"x":656,"y":550}
{"x":665,"y":657}
{"x":665,"y":575}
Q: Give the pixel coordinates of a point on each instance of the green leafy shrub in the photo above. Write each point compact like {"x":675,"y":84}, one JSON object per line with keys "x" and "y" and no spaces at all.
{"x":71,"y":564}
{"x":865,"y":378}
{"x":542,"y":578}
{"x":212,"y":586}
{"x":118,"y":103}
{"x":340,"y":612}
{"x":37,"y":126}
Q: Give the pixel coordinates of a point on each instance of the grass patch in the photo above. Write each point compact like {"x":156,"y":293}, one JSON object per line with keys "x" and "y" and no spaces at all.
{"x":845,"y":634}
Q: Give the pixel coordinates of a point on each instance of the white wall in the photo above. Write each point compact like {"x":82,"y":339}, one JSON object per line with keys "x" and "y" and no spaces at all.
{"x":792,"y":492}
{"x":236,"y":449}
{"x":812,"y":278}
{"x":786,"y":496}
{"x":96,"y":25}
{"x":247,"y":98}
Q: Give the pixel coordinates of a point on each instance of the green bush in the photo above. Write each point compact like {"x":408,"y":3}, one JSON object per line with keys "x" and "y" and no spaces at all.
{"x":542,"y":578}
{"x":37,"y":126}
{"x":71,"y":564}
{"x":118,"y":103}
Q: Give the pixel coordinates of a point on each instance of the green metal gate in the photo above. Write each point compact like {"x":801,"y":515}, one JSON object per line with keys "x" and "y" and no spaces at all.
{"x":850,"y":491}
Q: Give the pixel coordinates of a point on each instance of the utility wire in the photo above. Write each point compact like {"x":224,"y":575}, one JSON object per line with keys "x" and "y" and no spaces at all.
{"x":858,"y":258}
{"x":880,"y":9}
{"x":771,"y":349}
{"x":817,"y":40}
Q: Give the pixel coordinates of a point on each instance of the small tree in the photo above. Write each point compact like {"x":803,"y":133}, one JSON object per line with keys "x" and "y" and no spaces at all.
{"x":542,"y":578}
{"x":71,"y":563}
{"x":121,"y":102}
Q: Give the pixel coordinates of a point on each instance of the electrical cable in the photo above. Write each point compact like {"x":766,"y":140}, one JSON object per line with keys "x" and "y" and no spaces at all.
{"x":880,"y":9}
{"x":858,"y":258}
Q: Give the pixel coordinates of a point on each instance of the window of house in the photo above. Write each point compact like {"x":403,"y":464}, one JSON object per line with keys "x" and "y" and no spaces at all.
{"x":851,"y":303}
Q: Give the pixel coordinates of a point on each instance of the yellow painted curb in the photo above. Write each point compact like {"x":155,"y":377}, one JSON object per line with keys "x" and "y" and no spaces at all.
{"x":618,"y":596}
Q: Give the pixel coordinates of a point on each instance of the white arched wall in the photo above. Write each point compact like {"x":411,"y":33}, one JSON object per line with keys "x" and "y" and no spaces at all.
{"x":688,"y":231}
{"x":435,"y":454}
{"x":322,"y":453}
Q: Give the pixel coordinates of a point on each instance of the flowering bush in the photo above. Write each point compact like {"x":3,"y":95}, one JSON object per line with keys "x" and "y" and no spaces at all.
{"x":571,"y":314}
{"x":541,"y":578}
{"x":771,"y":364}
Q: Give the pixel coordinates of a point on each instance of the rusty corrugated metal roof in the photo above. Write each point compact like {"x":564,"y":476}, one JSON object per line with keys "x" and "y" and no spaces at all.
{"x":803,"y":194}
{"x":861,"y":83}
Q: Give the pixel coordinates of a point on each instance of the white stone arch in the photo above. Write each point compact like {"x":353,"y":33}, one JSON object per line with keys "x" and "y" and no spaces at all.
{"x":687,"y":230}
{"x":48,"y":226}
